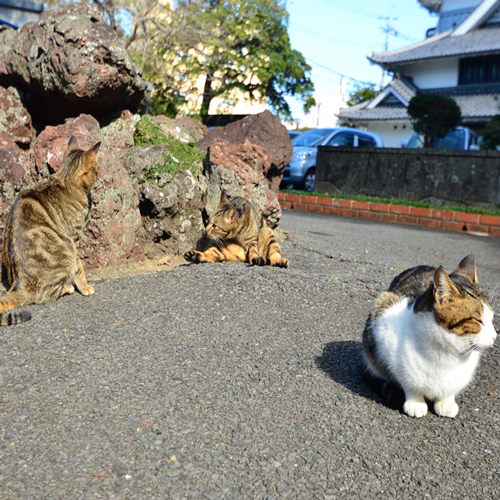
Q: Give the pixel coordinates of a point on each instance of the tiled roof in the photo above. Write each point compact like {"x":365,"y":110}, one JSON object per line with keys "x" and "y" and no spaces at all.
{"x":403,"y":88}
{"x":480,"y":41}
{"x":378,"y":113}
{"x":472,"y":106}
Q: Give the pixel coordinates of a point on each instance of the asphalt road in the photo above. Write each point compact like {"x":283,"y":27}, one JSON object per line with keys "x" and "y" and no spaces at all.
{"x":224,"y":381}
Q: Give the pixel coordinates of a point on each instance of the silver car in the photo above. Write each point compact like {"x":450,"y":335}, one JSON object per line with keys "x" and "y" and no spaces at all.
{"x":301,"y":173}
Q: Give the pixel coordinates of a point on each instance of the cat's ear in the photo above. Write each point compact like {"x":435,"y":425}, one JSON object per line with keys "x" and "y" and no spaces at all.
{"x":73,"y":142}
{"x":444,"y":289}
{"x":224,"y":200}
{"x":91,"y":155}
{"x":467,"y":267}
{"x":231,"y":216}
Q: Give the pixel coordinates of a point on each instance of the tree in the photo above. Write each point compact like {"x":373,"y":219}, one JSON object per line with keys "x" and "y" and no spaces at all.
{"x":491,"y":134}
{"x":238,"y":48}
{"x":433,"y":115}
{"x":361,"y":94}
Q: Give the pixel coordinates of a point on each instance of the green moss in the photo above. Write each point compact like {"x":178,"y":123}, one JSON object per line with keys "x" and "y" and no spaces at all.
{"x":391,"y":201}
{"x":180,"y":158}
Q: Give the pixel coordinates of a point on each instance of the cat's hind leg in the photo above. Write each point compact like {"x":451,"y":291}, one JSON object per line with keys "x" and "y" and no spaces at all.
{"x":446,"y":407}
{"x":415,"y":405}
{"x":269,"y":250}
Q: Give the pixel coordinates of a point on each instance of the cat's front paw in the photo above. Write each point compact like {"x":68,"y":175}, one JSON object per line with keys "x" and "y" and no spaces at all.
{"x":68,"y":290}
{"x":259,"y":261}
{"x":86,"y":289}
{"x":282,"y":263}
{"x":192,"y":256}
{"x":446,"y":408}
{"x":415,"y":408}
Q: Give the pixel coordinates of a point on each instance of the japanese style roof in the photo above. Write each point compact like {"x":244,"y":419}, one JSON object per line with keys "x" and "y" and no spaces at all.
{"x":480,"y":41}
{"x":475,"y":103}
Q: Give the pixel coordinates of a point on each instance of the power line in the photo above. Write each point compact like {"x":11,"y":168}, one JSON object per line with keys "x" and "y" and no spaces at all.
{"x":327,"y":39}
{"x":326,"y":68}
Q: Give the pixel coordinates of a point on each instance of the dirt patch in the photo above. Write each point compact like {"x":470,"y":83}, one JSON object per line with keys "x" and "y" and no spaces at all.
{"x":149,"y":266}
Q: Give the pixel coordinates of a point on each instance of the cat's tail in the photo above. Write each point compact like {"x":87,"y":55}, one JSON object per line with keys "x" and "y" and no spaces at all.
{"x":7,"y":302}
{"x":391,"y":392}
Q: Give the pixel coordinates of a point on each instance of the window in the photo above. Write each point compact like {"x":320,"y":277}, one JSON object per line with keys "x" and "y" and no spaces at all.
{"x":312,"y":137}
{"x":342,"y":139}
{"x":478,"y":70}
{"x":367,"y":142}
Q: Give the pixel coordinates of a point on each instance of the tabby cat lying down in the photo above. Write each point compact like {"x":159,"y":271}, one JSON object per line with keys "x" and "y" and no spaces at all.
{"x":426,"y":334}
{"x":40,"y":262}
{"x":237,"y":233}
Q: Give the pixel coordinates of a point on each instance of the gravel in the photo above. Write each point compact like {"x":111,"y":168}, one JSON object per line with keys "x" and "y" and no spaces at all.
{"x":227,"y":381}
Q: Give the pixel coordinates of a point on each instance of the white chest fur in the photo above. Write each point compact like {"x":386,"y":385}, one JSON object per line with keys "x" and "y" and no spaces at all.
{"x":422,"y":356}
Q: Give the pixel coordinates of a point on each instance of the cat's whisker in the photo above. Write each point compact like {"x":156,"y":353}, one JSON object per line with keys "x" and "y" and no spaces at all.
{"x":465,"y":352}
{"x":492,"y":294}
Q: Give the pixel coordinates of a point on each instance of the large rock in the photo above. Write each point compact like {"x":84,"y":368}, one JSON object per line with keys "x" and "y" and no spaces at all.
{"x":264,"y":130}
{"x":239,"y":170}
{"x":68,"y":63}
{"x":111,"y":233}
{"x":171,"y":204}
{"x":15,"y":121}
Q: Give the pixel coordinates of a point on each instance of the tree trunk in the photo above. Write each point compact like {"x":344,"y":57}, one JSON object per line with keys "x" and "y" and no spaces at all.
{"x":208,"y":95}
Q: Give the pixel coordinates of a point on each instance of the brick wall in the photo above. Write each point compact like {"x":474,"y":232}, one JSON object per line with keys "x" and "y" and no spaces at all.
{"x":403,"y":214}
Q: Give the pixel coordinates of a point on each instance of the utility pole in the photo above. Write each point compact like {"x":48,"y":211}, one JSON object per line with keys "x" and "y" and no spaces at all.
{"x":388,"y":29}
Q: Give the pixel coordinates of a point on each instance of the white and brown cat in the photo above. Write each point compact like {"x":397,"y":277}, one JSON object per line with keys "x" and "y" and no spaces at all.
{"x":426,"y":334}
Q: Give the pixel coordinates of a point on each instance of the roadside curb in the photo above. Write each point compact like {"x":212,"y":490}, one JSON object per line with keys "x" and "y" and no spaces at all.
{"x":403,"y":214}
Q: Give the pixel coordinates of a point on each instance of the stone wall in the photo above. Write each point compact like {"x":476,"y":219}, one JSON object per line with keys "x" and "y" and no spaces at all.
{"x":441,"y":177}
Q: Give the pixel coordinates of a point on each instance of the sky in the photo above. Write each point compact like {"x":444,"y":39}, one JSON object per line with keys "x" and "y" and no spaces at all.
{"x":336,"y":36}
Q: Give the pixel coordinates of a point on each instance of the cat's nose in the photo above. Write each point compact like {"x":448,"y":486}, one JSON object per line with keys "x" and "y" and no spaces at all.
{"x":495,"y":333}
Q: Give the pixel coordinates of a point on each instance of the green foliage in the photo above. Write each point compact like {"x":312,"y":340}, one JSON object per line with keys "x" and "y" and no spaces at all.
{"x":361,"y":94}
{"x":392,"y":201}
{"x":236,"y":47}
{"x":433,"y":115}
{"x":181,"y":156}
{"x":491,"y":134}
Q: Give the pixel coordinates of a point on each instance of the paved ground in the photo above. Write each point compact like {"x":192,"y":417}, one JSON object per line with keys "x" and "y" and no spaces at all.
{"x":228,"y":381}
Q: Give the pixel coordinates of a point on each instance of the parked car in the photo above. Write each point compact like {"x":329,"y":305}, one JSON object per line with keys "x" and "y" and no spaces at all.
{"x":459,"y":138}
{"x":301,"y":173}
{"x":294,"y":134}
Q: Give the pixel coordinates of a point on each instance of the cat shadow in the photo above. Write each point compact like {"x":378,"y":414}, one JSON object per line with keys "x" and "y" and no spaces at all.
{"x":343,"y":362}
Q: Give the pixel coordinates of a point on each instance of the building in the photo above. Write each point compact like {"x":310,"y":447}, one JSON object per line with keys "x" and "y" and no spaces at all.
{"x":324,"y":114}
{"x":459,"y":58}
{"x":16,"y":13}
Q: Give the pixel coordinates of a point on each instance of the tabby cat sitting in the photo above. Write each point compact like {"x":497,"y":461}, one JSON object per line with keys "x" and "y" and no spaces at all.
{"x":237,"y":233}
{"x":426,"y":334}
{"x":40,"y":262}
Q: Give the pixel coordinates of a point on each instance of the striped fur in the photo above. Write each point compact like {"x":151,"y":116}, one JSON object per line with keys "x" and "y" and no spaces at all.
{"x":39,"y":260}
{"x":237,"y":233}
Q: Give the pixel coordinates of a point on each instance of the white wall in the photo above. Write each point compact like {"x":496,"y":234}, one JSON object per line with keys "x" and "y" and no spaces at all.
{"x":392,"y":132}
{"x":324,"y":113}
{"x":434,"y":74}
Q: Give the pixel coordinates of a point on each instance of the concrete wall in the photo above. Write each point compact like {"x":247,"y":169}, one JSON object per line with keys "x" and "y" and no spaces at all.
{"x":452,"y":176}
